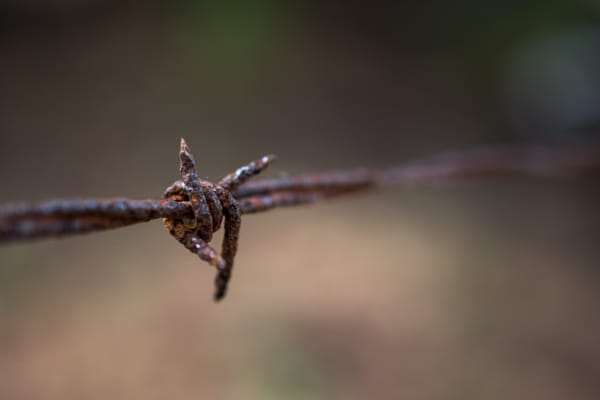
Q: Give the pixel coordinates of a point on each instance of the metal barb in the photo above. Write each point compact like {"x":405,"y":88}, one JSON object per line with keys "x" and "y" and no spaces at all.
{"x":193,"y":209}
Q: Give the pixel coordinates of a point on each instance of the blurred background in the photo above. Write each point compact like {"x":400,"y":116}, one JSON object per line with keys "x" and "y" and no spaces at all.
{"x":481,"y":290}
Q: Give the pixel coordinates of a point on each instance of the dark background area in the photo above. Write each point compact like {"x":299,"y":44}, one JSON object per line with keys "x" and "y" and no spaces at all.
{"x":471,"y":290}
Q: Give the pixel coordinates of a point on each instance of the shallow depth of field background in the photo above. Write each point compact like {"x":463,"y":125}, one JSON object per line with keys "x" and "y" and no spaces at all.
{"x":482,"y":290}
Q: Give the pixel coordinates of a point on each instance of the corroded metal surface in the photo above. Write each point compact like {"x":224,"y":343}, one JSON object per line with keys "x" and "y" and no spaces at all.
{"x":209,"y":203}
{"x":192,"y":209}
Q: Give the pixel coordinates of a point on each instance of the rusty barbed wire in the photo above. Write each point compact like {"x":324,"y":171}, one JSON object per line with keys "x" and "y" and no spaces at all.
{"x":193,"y":209}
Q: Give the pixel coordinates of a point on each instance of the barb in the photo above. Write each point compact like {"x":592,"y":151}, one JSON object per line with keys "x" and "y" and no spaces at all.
{"x":193,"y":209}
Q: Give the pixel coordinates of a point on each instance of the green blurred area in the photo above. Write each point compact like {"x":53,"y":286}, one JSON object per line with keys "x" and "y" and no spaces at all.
{"x":475,"y":290}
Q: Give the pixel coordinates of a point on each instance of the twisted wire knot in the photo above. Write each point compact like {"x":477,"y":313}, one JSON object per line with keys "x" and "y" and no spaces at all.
{"x":211,"y":204}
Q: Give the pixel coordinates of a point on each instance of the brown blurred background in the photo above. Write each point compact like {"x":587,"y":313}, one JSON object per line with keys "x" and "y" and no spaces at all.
{"x":483,"y":290}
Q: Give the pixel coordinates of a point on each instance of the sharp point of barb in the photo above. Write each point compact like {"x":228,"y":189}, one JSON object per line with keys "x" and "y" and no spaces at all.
{"x":269,"y":158}
{"x":184,"y":148}
{"x":185,"y":156}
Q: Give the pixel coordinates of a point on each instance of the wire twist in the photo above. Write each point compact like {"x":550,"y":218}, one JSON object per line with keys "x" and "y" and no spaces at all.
{"x":210,"y":203}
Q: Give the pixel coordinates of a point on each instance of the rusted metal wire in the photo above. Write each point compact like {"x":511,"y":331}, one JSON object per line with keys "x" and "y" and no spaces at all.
{"x":193,"y":209}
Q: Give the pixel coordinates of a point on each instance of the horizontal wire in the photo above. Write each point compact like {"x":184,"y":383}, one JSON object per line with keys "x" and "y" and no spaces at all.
{"x":73,"y":216}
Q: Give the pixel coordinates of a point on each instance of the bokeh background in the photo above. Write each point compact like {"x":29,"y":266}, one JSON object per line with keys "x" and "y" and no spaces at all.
{"x":472,"y":290}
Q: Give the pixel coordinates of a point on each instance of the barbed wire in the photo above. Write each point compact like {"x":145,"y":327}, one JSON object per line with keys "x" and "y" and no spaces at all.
{"x":193,"y":209}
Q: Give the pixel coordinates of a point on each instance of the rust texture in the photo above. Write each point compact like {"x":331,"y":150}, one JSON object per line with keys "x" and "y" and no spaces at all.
{"x":193,"y":209}
{"x":210,"y":204}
